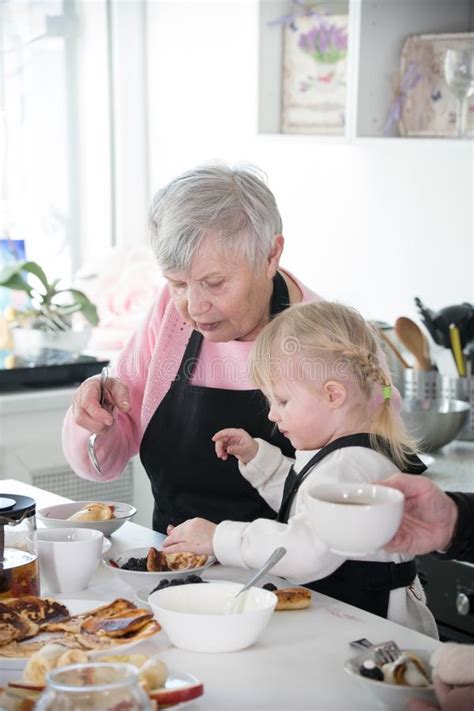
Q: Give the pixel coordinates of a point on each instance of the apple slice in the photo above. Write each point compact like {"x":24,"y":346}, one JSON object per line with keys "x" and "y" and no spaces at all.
{"x":164,"y":697}
{"x":26,"y":686}
{"x":170,"y":697}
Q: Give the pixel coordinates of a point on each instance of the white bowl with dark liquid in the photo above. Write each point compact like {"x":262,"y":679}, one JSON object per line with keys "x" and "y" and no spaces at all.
{"x":354,"y":519}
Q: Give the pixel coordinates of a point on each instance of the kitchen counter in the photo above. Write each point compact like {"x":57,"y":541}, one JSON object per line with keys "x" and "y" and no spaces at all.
{"x":297,"y":663}
{"x":453,"y":467}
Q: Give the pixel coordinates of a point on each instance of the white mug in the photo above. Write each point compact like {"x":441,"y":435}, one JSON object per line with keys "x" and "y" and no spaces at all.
{"x":354,"y":519}
{"x":68,"y":557}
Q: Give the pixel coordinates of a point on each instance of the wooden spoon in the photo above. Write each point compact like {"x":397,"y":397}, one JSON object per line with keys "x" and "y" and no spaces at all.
{"x":393,"y":348}
{"x":413,"y":338}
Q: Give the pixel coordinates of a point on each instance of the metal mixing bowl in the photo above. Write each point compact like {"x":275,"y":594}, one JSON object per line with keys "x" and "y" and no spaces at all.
{"x":434,"y":423}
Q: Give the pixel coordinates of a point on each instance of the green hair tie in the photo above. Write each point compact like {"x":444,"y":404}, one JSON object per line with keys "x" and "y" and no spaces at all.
{"x":387,"y":392}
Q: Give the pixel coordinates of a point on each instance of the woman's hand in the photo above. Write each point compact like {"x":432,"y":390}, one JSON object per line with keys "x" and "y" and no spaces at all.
{"x":429,"y":516}
{"x":453,"y":678}
{"x":86,"y":407}
{"x":236,"y":442}
{"x":195,"y":536}
{"x":450,"y":698}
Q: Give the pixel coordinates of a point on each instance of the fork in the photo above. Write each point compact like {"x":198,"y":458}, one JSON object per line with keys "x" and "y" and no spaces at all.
{"x":91,"y":446}
{"x":384,"y":653}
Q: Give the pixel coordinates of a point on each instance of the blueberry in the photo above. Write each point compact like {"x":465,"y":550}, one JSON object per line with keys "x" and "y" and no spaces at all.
{"x":269,"y":586}
{"x":137,"y":564}
{"x":370,"y":670}
{"x":193,"y":579}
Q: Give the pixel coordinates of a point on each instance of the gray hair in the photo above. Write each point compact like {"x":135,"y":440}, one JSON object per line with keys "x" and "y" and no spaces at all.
{"x":233,"y":202}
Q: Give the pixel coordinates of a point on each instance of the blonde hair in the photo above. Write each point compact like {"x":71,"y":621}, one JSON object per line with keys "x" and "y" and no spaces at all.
{"x":337,"y":339}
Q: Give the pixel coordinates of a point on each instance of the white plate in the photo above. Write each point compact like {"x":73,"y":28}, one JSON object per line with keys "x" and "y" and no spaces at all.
{"x":139,"y":579}
{"x":75,"y":607}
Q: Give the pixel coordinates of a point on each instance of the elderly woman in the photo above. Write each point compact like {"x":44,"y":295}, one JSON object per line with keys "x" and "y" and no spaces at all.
{"x":183,"y":376}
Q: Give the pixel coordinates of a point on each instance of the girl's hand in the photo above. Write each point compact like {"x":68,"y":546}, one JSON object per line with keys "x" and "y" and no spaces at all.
{"x":193,"y":536}
{"x":236,"y":442}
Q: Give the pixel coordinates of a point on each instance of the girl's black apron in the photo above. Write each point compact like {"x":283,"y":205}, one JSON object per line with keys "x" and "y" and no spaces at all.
{"x":363,"y":584}
{"x":187,"y":478}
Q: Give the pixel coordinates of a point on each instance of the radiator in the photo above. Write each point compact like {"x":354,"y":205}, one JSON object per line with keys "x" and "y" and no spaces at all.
{"x":66,"y":483}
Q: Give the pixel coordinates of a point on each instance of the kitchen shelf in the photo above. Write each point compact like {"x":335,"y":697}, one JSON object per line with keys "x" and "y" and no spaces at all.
{"x":377,"y":31}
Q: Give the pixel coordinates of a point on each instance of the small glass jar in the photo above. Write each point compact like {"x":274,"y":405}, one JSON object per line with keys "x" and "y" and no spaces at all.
{"x":19,"y":570}
{"x":98,"y":687}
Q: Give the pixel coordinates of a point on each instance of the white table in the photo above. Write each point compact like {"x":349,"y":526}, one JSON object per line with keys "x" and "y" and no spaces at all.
{"x":297,"y":663}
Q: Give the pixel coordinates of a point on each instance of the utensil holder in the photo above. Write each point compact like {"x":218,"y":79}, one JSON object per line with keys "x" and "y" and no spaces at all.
{"x":421,"y":384}
{"x":430,"y":385}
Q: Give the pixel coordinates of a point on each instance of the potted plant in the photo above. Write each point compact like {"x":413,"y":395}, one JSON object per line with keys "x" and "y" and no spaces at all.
{"x":49,"y":321}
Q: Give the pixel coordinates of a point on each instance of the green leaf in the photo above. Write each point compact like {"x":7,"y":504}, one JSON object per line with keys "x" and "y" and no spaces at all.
{"x":87,"y":307}
{"x":35,"y":269}
{"x":11,"y":276}
{"x":15,"y":282}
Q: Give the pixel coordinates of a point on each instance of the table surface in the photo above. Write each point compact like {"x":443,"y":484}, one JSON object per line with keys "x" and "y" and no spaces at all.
{"x":296,"y":664}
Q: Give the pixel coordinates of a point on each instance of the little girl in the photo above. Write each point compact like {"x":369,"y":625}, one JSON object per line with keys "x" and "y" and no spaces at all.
{"x":317,"y":364}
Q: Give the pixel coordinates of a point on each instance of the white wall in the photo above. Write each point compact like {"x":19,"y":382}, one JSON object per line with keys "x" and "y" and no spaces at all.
{"x":372,"y":223}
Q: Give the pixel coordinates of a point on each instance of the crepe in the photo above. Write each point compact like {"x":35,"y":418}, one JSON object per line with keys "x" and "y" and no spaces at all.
{"x":118,"y":622}
{"x":40,"y":610}
{"x":117,"y":625}
{"x":158,"y":561}
{"x":93,"y":512}
{"x":14,"y":627}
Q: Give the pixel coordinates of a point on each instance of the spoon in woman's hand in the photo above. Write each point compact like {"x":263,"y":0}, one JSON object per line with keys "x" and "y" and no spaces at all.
{"x":277,"y":555}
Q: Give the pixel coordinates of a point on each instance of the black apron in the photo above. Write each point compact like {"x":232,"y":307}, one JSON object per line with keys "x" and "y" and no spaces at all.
{"x":365,"y":585}
{"x":187,"y":478}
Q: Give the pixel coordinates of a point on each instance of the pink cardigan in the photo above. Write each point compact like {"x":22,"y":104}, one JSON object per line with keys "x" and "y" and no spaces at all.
{"x":147,"y":364}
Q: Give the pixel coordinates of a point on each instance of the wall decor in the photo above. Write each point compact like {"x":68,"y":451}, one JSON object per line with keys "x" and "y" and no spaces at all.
{"x":314,"y":74}
{"x":433,"y":105}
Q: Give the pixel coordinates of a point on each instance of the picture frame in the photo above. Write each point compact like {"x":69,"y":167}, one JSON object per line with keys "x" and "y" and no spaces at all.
{"x":315,"y":75}
{"x":429,"y":108}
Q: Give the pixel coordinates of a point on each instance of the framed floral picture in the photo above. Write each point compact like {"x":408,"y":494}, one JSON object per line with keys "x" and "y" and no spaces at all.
{"x":314,"y":74}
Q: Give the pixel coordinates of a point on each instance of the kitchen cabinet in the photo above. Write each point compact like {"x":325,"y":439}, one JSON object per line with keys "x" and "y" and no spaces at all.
{"x":377,"y":30}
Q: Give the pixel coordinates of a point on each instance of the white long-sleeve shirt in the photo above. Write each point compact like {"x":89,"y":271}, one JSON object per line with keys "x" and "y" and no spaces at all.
{"x":249,"y":544}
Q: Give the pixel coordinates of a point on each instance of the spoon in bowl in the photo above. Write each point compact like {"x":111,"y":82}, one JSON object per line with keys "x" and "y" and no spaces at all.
{"x":231,"y":606}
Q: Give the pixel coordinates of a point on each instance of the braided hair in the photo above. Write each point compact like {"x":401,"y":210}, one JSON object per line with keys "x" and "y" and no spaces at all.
{"x":336,"y":342}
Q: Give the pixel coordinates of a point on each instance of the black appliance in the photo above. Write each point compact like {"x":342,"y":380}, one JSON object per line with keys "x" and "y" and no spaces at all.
{"x":449,"y":587}
{"x":65,"y":369}
{"x":438,"y":323}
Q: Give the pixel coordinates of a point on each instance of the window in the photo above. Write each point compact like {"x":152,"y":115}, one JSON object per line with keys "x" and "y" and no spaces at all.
{"x":55,"y":129}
